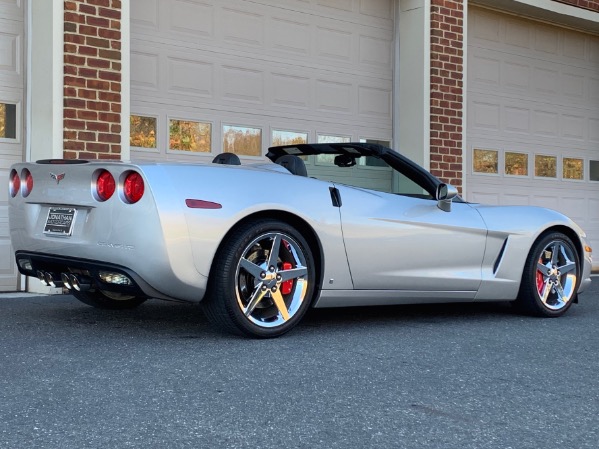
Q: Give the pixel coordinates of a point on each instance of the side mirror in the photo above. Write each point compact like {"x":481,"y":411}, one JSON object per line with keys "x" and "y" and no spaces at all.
{"x":444,"y":195}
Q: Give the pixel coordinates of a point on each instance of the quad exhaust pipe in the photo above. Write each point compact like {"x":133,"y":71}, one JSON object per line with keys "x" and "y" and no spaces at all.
{"x":72,"y":282}
{"x":67,"y":280}
{"x":47,"y":279}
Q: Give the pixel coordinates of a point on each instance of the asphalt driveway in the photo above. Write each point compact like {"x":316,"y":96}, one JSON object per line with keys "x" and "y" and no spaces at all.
{"x":443,"y":376}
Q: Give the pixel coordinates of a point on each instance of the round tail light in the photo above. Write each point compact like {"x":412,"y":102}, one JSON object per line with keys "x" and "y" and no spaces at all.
{"x":133,"y":187}
{"x":28,"y":182}
{"x":14,"y":183}
{"x":105,"y":185}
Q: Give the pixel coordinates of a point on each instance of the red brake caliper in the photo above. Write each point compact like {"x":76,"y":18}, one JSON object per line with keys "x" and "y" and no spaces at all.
{"x":540,"y":280}
{"x":287,"y":286}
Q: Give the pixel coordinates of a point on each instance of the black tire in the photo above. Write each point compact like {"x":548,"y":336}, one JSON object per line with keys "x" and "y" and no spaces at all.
{"x":108,"y":300}
{"x":550,"y":278}
{"x":267,"y":296}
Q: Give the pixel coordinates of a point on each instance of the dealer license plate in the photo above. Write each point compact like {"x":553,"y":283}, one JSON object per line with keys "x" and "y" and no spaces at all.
{"x":60,"y":221}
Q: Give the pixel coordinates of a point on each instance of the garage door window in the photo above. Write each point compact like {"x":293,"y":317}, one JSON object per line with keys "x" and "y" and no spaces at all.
{"x":485,"y":161}
{"x":142,"y":131}
{"x":8,"y":121}
{"x":516,"y":164}
{"x":594,"y":170}
{"x":280,"y":137}
{"x":185,"y":135}
{"x":545,"y":166}
{"x":242,"y":140}
{"x":573,"y":168}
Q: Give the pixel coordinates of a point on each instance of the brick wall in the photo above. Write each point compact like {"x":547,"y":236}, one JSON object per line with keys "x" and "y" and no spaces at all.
{"x":447,"y":90}
{"x":92,"y":79}
{"x":593,"y":5}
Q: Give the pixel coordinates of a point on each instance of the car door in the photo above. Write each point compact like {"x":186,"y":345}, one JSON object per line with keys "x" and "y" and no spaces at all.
{"x":405,"y":242}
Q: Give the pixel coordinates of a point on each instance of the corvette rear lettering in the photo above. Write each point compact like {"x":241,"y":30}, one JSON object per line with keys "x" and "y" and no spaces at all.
{"x":116,"y":245}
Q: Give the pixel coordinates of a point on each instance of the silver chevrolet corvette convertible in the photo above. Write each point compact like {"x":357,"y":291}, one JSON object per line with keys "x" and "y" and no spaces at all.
{"x":258,"y":244}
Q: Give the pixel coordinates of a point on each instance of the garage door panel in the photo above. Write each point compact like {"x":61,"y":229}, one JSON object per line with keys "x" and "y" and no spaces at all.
{"x":508,"y":34}
{"x":501,"y":116}
{"x":288,"y":90}
{"x":189,"y":77}
{"x":246,"y":29}
{"x":145,"y":70}
{"x":11,"y":53}
{"x":216,"y":81}
{"x":507,"y":74}
{"x":190,"y":19}
{"x":12,"y":9}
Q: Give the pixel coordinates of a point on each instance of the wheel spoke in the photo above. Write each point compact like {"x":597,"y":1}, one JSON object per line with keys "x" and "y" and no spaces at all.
{"x":548,"y":285}
{"x":274,"y":251}
{"x":542,"y":268}
{"x":555,"y":249}
{"x":251,"y":268}
{"x":293,"y":273}
{"x":569,"y":266}
{"x":280,"y":303}
{"x":255,"y":299}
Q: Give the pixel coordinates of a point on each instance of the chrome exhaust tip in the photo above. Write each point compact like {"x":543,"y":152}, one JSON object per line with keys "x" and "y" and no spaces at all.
{"x":42,"y":277}
{"x":79,"y":285}
{"x":50,"y":279}
{"x":66,"y":281}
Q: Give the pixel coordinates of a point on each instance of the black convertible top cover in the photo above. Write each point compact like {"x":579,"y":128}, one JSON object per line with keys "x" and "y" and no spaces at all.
{"x":355,"y":149}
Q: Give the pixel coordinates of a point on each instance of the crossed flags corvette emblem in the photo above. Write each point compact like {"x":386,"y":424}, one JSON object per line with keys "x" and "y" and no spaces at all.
{"x":58,"y":177}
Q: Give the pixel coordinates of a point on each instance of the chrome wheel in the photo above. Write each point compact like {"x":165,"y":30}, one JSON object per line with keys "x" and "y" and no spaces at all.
{"x":271,"y":279}
{"x":550,"y":278}
{"x":262,"y":279}
{"x":557,"y":272}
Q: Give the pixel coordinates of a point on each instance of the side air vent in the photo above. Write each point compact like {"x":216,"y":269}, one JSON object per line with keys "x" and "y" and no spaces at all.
{"x":499,"y":257}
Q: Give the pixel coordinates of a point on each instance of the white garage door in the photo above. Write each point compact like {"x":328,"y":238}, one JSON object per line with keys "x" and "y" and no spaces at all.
{"x":235,"y":75}
{"x":11,"y":129}
{"x":533,"y":116}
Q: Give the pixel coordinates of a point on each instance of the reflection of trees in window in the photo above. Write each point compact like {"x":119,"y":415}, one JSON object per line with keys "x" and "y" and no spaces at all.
{"x":516,"y":164}
{"x":546,"y":166}
{"x":485,"y":161}
{"x":242,"y":140}
{"x":190,"y":136}
{"x":8,"y":121}
{"x":142,"y":131}
{"x":288,"y":138}
{"x":572,"y":168}
{"x":2,"y":120}
{"x":333,"y":139}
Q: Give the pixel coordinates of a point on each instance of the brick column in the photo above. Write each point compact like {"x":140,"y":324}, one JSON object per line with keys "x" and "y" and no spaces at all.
{"x":447,"y":95}
{"x":92,"y":79}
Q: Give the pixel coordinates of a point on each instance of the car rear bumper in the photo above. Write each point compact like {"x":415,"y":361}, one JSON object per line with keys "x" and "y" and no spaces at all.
{"x":51,"y":270}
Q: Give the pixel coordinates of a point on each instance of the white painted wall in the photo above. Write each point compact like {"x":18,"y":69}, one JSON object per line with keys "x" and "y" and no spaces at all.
{"x":45,"y":67}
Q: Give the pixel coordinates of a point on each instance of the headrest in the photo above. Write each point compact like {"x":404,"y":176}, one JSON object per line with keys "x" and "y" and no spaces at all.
{"x":294,"y":164}
{"x":227,"y":159}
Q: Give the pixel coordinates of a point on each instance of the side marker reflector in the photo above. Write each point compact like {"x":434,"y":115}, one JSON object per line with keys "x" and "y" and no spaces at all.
{"x":201,"y":204}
